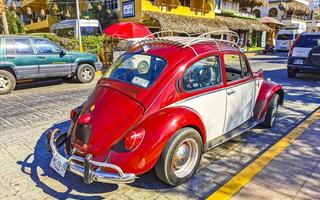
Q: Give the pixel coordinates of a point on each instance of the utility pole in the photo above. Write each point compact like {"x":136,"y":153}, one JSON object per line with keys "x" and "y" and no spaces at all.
{"x":78,"y":25}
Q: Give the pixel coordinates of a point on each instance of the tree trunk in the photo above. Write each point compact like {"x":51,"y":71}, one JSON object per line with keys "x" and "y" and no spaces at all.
{"x":4,"y":18}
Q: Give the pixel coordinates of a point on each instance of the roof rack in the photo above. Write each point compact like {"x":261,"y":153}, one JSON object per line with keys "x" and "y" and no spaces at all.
{"x":169,"y":32}
{"x":187,"y":42}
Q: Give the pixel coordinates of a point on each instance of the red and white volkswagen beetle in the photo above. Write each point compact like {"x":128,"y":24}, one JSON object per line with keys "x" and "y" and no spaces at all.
{"x":163,"y":104}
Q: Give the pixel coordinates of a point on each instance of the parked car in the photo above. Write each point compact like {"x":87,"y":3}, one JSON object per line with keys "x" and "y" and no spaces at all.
{"x":285,"y":39}
{"x":162,"y":105}
{"x":69,"y":28}
{"x":304,"y":55}
{"x":27,"y":57}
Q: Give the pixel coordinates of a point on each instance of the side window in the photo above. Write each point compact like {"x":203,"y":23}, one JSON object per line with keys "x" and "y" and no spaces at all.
{"x":202,"y":74}
{"x":236,"y":67}
{"x":23,"y":46}
{"x":10,"y":47}
{"x":45,"y":46}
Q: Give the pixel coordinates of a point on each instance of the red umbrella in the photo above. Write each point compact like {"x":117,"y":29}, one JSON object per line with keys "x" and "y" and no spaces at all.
{"x":126,"y":30}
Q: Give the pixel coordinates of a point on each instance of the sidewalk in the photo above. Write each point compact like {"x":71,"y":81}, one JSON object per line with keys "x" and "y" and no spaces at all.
{"x":293,"y":174}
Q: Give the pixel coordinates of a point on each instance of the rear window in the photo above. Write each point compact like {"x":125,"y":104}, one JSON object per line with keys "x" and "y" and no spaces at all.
{"x":137,"y":69}
{"x":285,"y":37}
{"x":308,"y":41}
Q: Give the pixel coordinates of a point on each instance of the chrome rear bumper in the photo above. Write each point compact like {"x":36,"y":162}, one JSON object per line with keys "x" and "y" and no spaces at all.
{"x":84,"y":166}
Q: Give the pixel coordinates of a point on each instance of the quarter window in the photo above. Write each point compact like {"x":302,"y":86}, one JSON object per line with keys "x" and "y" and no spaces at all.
{"x":45,"y":47}
{"x":18,"y":46}
{"x":202,"y":74}
{"x":236,"y":67}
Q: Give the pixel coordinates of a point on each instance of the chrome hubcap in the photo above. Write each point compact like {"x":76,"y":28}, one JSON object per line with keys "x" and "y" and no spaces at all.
{"x":185,"y":158}
{"x":86,"y":74}
{"x":4,"y":82}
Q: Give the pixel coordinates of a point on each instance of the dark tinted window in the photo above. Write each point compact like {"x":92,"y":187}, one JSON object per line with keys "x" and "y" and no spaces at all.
{"x":23,"y":46}
{"x":10,"y":47}
{"x":308,"y":41}
{"x":202,"y":74}
{"x":89,"y":31}
{"x":285,"y":37}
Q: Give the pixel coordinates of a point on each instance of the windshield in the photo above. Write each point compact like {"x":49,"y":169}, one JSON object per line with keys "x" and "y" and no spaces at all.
{"x":308,"y":41}
{"x":137,"y":69}
{"x":285,"y":37}
{"x":90,"y":30}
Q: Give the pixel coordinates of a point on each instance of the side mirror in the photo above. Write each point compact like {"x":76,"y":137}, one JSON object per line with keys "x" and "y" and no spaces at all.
{"x":63,"y":52}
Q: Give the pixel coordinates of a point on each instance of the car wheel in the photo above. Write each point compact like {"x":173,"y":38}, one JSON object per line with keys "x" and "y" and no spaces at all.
{"x":180,"y":158}
{"x":85,"y":73}
{"x":272,"y":112}
{"x":292,"y":74}
{"x":7,"y":82}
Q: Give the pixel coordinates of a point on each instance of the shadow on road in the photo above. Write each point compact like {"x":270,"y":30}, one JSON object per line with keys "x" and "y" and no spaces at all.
{"x":44,"y":83}
{"x":37,"y":166}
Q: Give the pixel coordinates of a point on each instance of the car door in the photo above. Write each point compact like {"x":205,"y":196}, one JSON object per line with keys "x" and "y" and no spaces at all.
{"x":20,"y":54}
{"x":240,"y":91}
{"x":52,"y":62}
{"x":202,"y":87}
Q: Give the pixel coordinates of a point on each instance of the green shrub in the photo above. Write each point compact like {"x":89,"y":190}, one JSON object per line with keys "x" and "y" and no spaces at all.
{"x":93,"y":44}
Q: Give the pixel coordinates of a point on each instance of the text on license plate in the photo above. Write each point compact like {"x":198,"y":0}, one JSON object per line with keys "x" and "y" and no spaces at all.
{"x":298,"y":61}
{"x":59,"y":164}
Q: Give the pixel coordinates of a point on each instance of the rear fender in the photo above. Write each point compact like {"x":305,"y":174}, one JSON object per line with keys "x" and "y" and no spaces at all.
{"x":8,"y":66}
{"x":159,"y":128}
{"x":267,"y":90}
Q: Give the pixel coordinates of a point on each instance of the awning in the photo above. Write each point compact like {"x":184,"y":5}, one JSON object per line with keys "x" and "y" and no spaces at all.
{"x":183,"y":23}
{"x":242,"y":24}
{"x":270,"y":20}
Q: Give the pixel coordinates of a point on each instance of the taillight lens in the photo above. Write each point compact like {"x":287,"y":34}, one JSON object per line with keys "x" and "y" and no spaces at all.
{"x":134,"y":139}
{"x":84,"y":119}
{"x":293,"y":45}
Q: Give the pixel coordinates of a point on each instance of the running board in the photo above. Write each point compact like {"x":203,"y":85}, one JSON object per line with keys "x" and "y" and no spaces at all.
{"x":234,"y":133}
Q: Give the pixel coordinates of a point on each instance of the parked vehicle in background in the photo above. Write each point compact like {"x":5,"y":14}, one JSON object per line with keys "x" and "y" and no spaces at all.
{"x":285,"y":39}
{"x":68,"y":28}
{"x":28,"y":57}
{"x":166,"y":101}
{"x":304,"y":55}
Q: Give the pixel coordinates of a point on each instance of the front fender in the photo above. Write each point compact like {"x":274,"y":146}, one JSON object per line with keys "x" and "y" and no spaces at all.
{"x":82,"y":60}
{"x":267,"y":90}
{"x":159,"y":128}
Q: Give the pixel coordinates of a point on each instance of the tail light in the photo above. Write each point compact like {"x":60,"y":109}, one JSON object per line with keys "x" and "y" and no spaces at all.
{"x":134,"y":139}
{"x":293,"y":45}
{"x":84,"y":128}
{"x":84,"y":119}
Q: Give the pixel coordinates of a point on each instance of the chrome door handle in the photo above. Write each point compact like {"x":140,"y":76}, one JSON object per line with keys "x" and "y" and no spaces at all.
{"x":41,"y":57}
{"x":231,"y":92}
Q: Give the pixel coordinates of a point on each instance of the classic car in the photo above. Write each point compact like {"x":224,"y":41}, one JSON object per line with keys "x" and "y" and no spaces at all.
{"x":162,"y":105}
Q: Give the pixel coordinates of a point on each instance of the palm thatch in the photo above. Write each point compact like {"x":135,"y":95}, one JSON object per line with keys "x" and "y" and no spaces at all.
{"x":182,"y":23}
{"x":234,"y":23}
{"x":295,"y":7}
{"x":200,"y":25}
{"x":253,"y":3}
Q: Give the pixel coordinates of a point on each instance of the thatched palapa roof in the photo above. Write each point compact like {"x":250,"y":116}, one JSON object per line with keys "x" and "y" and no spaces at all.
{"x":295,"y":6}
{"x":183,"y":23}
{"x":253,"y":3}
{"x":168,"y":21}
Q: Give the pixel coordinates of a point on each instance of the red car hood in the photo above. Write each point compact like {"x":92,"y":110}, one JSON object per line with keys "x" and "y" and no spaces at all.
{"x":113,"y":114}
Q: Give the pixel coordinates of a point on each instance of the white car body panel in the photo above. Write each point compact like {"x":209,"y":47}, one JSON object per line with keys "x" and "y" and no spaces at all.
{"x":212,"y":109}
{"x":240,"y":103}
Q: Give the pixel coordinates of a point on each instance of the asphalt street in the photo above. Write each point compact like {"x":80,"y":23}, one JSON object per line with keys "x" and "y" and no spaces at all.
{"x":34,"y":107}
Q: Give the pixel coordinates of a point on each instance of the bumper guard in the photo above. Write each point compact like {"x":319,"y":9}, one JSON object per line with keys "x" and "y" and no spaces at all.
{"x":84,"y":166}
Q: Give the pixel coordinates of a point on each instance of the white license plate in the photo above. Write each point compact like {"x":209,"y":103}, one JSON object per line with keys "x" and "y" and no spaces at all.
{"x":298,"y":62}
{"x":59,"y":164}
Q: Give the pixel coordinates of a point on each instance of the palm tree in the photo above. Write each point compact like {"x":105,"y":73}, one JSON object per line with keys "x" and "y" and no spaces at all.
{"x":4,"y":17}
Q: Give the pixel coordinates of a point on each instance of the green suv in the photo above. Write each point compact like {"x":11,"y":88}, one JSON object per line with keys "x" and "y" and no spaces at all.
{"x":28,"y":57}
